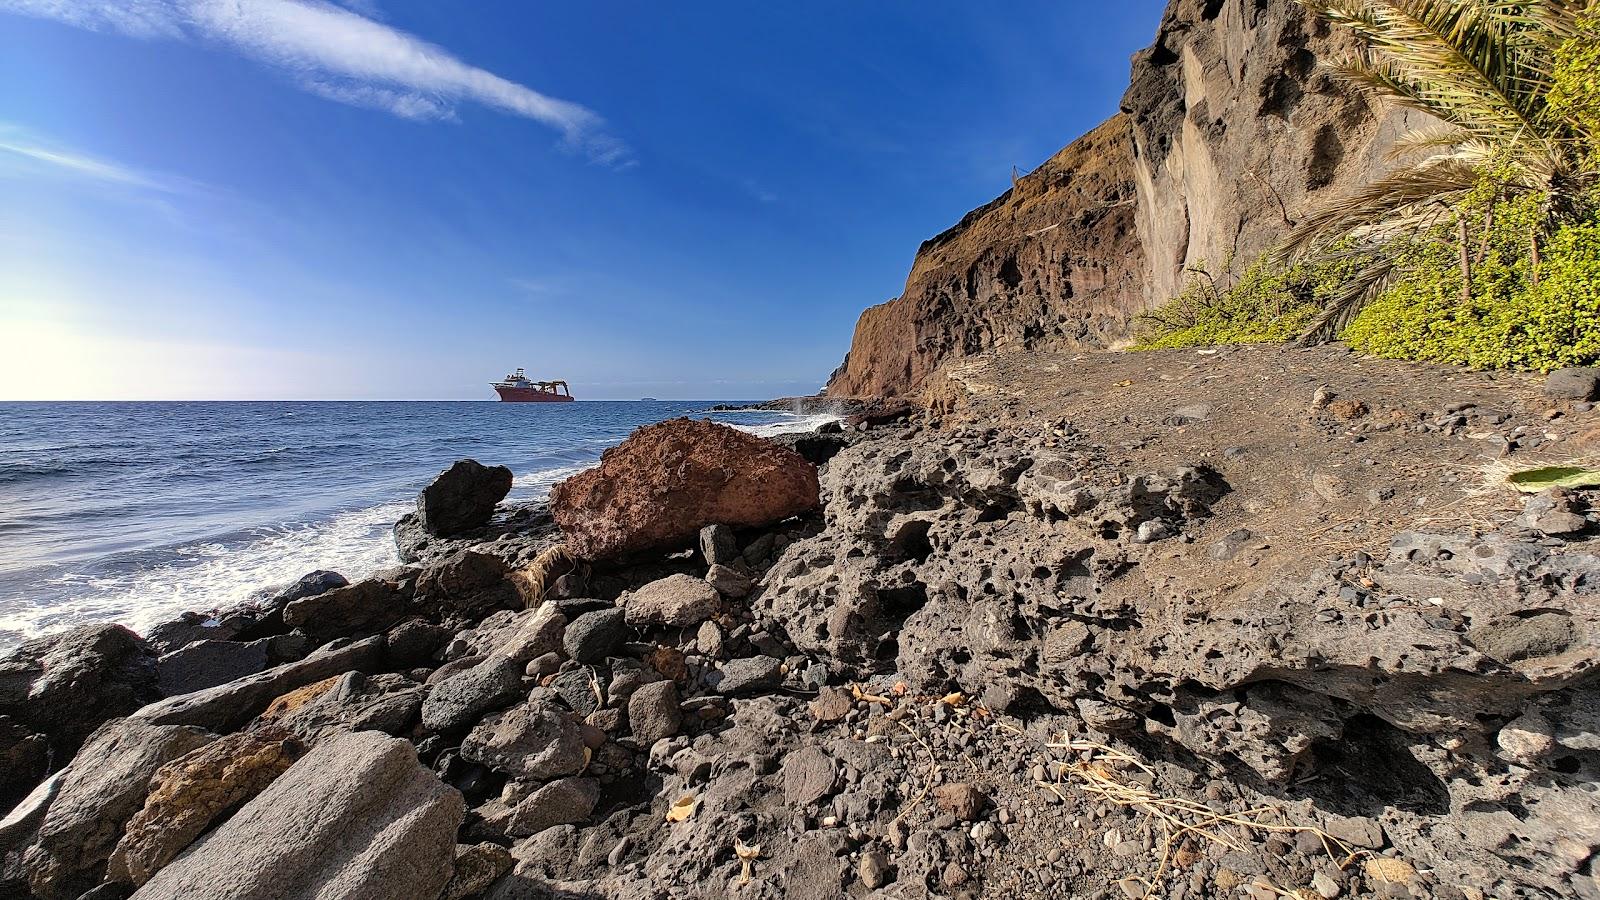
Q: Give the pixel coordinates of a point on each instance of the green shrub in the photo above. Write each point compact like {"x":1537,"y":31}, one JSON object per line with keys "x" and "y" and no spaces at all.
{"x":1512,"y":320}
{"x":1268,"y":304}
{"x":1574,"y":97}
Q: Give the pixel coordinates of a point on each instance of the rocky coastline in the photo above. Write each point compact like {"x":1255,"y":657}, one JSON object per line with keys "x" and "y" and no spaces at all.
{"x":924,"y":656}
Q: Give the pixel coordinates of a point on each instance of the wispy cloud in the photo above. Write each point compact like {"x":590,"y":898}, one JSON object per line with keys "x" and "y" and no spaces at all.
{"x":19,"y":145}
{"x":337,"y":53}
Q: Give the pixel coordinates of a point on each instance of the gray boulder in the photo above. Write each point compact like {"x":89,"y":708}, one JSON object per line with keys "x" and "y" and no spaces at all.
{"x":1573,"y":384}
{"x":653,"y":712}
{"x":227,"y":707}
{"x":527,"y":741}
{"x":357,"y":702}
{"x":364,"y":608}
{"x":67,"y":684}
{"x":718,"y":545}
{"x":462,"y":498}
{"x":461,"y":699}
{"x":99,"y":792}
{"x":746,"y":676}
{"x":565,"y":801}
{"x":679,"y":601}
{"x":356,"y":818}
{"x":593,"y":636}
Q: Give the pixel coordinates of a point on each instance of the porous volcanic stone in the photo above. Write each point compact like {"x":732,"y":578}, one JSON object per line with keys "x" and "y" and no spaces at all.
{"x":66,"y":685}
{"x":961,"y":800}
{"x":461,"y":699}
{"x":1573,"y":384}
{"x":593,"y":636}
{"x":561,"y":802}
{"x":809,"y":775}
{"x":527,"y":741}
{"x":357,"y":818}
{"x":202,"y":664}
{"x":667,"y":481}
{"x":366,"y":607}
{"x":477,"y":867}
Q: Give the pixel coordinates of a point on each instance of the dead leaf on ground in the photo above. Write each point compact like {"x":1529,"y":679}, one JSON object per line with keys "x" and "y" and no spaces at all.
{"x":682,"y":810}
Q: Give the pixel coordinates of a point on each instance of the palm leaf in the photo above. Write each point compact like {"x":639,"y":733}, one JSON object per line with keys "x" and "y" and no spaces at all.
{"x":1402,"y":201}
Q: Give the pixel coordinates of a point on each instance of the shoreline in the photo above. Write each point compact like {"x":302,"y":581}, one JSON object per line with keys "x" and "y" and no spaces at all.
{"x":875,"y":690}
{"x":243,"y":559}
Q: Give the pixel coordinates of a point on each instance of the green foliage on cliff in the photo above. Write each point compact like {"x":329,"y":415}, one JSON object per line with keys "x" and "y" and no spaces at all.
{"x":1267,"y":304}
{"x":1575,"y":85}
{"x":1511,"y":319}
{"x":1512,"y":89}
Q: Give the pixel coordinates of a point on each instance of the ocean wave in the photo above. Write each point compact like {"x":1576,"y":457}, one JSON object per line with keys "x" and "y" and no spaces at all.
{"x":208,"y":575}
{"x":795,"y":422}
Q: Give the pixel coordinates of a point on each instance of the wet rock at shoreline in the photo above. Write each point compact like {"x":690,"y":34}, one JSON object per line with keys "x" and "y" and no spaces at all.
{"x":64,"y":686}
{"x":357,"y":817}
{"x":363,"y":608}
{"x":226,"y":707}
{"x":666,"y":482}
{"x":203,"y":664}
{"x":462,"y":497}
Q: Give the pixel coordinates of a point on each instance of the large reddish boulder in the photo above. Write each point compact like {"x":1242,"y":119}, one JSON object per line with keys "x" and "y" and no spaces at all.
{"x":657,"y":489}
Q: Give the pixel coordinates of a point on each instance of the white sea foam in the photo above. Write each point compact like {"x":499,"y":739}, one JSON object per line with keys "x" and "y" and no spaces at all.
{"x":794,"y":423}
{"x":206,"y":576}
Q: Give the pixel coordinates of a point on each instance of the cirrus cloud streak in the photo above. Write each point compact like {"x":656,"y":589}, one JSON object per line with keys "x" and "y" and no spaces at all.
{"x":337,"y":54}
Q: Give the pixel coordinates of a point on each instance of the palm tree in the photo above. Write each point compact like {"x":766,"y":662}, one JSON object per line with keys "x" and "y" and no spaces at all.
{"x":1482,"y":69}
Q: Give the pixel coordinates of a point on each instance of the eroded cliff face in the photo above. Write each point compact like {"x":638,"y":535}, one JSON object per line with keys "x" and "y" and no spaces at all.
{"x":1229,"y":131}
{"x":1052,"y":262}
{"x":1236,"y":133}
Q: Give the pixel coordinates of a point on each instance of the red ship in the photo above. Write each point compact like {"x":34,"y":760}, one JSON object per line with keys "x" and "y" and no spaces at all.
{"x":517,"y":388}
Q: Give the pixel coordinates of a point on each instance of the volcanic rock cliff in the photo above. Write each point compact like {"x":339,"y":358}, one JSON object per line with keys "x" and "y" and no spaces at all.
{"x":1228,"y":132}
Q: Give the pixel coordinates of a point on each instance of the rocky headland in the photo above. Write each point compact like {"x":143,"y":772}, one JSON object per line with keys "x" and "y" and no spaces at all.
{"x":1258,"y":622}
{"x":1033,"y":618}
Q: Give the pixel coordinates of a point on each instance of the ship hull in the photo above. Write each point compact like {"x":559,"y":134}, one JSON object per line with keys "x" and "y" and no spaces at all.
{"x":530,"y":395}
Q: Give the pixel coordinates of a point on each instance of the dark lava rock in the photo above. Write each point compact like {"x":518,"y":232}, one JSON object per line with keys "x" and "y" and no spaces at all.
{"x":653,"y":712}
{"x":564,"y":801}
{"x":203,"y":664}
{"x":463,"y":698}
{"x":718,"y":545}
{"x":593,"y":636}
{"x":746,"y":676}
{"x":24,"y":760}
{"x":66,"y":685}
{"x":809,"y":775}
{"x":1573,"y":384}
{"x":527,"y":741}
{"x":815,"y":447}
{"x":366,"y":607}
{"x":462,"y":498}
{"x":469,"y":583}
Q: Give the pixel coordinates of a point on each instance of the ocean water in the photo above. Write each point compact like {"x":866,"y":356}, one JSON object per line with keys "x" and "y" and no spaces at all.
{"x":135,"y":512}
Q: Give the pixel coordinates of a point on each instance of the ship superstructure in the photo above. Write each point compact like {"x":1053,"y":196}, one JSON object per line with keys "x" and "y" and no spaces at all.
{"x":519,"y":388}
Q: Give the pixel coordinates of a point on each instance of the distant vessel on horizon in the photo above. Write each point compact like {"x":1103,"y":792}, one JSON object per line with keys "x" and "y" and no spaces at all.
{"x":518,"y":388}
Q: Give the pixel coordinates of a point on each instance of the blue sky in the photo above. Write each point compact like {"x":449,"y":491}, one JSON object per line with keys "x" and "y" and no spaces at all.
{"x":273,"y":199}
